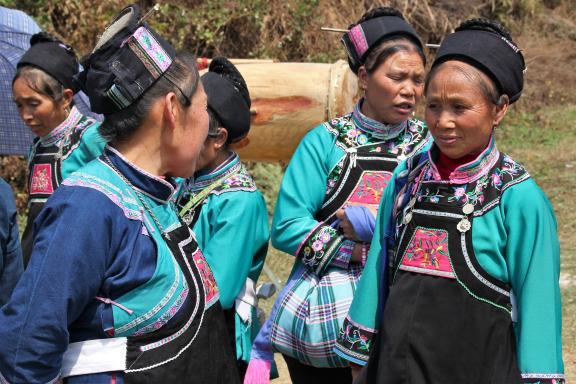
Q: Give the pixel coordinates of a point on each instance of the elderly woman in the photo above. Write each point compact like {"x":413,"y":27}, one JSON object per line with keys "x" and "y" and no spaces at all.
{"x":43,"y":91}
{"x":473,"y":265}
{"x":327,"y":203}
{"x":117,"y":289}
{"x":224,"y":207}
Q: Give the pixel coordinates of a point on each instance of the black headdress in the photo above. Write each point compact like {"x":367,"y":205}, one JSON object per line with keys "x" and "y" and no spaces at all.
{"x":53,"y":57}
{"x":228,"y":97}
{"x":363,"y":37}
{"x":482,"y":44}
{"x":129,"y":57}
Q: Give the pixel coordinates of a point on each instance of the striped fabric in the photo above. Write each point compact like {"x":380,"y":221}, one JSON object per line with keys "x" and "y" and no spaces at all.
{"x":310,"y":316}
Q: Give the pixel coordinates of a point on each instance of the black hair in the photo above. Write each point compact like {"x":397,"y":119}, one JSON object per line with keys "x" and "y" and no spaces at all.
{"x":390,"y":46}
{"x":490,"y":90}
{"x":40,"y":81}
{"x":182,"y":78}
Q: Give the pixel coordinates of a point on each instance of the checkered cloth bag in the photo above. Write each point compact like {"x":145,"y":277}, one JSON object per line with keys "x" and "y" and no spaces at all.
{"x":311,"y":314}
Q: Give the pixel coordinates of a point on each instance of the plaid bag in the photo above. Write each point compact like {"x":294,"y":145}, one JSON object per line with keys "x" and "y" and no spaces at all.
{"x":311,"y":314}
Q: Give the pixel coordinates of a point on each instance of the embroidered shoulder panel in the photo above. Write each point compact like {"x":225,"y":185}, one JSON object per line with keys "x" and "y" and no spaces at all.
{"x":238,"y":181}
{"x":121,"y":197}
{"x":348,"y":135}
{"x":483,"y":193}
{"x":73,"y":140}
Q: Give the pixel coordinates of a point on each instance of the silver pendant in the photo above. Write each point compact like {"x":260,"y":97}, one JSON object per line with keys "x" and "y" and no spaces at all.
{"x":411,"y":202}
{"x":464,"y":225}
{"x":407,"y":218}
{"x":468,"y":208}
{"x":402,"y":157}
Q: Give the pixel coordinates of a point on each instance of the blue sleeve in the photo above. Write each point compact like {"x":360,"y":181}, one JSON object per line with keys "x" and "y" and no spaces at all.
{"x":66,"y":270}
{"x":238,"y":231}
{"x":11,"y":263}
{"x":294,"y":228}
{"x":533,"y":254}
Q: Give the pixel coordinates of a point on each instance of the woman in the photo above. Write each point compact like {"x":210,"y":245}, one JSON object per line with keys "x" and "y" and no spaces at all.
{"x":10,"y":251}
{"x":337,"y":174}
{"x":66,"y":140}
{"x":474,"y":255}
{"x":117,"y":289}
{"x":224,"y":207}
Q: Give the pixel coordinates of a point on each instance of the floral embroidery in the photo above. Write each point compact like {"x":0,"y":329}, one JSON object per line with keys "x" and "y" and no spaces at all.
{"x":41,"y":181}
{"x":354,"y":341}
{"x":207,"y":276}
{"x":370,"y":188}
{"x":427,"y":253}
{"x":478,"y":193}
{"x":319,"y":247}
{"x":350,"y":135}
{"x":353,"y":336}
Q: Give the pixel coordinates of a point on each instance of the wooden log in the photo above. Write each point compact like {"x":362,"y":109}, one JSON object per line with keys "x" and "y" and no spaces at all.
{"x":288,"y":99}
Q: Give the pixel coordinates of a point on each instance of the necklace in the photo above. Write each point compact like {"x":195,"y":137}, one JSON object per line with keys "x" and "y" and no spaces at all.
{"x":138,"y":194}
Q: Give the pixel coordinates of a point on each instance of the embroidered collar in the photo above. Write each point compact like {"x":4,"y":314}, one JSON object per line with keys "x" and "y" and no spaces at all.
{"x":154,"y":187}
{"x":471,"y":171}
{"x":231,"y":165}
{"x":378,"y":130}
{"x":60,"y":132}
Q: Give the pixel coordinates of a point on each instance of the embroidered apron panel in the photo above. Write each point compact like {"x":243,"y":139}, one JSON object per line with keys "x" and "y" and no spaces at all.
{"x":427,"y":253}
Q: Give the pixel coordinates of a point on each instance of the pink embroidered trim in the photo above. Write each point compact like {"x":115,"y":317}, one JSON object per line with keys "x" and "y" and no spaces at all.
{"x":486,"y":160}
{"x":358,"y":38}
{"x":106,"y":300}
{"x":149,"y":44}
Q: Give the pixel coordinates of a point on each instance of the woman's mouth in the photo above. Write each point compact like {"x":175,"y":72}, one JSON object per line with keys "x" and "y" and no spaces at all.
{"x":404,"y":108}
{"x":446,"y":140}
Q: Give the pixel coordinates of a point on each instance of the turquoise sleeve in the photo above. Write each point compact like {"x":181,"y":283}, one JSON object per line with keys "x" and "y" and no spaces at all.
{"x":533,"y":254}
{"x":232,"y":229}
{"x":294,"y":228}
{"x":90,"y":147}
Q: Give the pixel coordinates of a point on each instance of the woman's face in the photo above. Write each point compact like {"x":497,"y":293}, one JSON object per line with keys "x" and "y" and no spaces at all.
{"x":193,"y":129}
{"x":39,"y":112}
{"x":394,"y":88}
{"x":458,"y":114}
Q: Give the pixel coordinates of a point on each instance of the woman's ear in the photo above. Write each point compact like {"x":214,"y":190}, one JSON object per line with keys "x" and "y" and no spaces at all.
{"x":171,"y":112}
{"x":500,"y":109}
{"x":67,"y":97}
{"x":362,"y":78}
{"x":220,"y":138}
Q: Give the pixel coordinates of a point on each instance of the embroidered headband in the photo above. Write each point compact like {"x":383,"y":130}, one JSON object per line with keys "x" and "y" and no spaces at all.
{"x":53,"y":57}
{"x":228,"y":97}
{"x":127,"y":60}
{"x":492,"y":53}
{"x":362,"y":38}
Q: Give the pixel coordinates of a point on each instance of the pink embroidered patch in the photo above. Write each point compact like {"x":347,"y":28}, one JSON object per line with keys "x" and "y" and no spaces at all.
{"x":370,"y":188}
{"x":208,"y":280}
{"x":427,"y":253}
{"x":356,"y":34}
{"x":41,"y":179}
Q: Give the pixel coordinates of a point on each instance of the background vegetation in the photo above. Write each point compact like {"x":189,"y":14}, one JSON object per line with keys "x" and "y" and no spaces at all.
{"x":540,"y":130}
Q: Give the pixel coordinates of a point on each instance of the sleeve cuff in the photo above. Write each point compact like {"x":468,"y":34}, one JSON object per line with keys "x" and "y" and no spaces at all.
{"x":355,"y":342}
{"x":320,"y":247}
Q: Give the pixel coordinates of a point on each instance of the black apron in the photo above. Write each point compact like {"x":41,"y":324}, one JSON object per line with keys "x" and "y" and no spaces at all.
{"x":44,"y":177}
{"x":446,"y":320}
{"x":195,"y":347}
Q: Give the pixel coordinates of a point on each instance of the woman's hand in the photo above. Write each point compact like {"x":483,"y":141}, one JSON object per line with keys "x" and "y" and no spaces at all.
{"x":346,"y":226}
